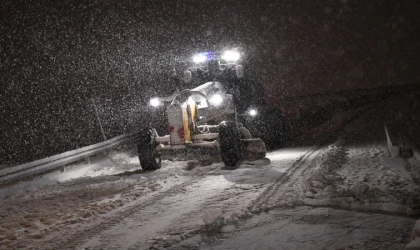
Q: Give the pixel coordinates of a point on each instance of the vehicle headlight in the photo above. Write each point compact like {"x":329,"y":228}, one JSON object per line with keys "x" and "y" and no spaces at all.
{"x":199,"y":58}
{"x":155,"y":102}
{"x":231,"y":56}
{"x":252,"y":112}
{"x":216,"y":100}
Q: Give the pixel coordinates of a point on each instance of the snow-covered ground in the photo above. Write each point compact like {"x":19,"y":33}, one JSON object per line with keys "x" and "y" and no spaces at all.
{"x":315,"y":228}
{"x":52,"y":209}
{"x":347,"y":194}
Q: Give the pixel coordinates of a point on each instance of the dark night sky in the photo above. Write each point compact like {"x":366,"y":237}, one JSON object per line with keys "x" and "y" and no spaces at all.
{"x":57,"y":55}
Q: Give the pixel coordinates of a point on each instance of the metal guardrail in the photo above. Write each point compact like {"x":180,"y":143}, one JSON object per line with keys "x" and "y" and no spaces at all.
{"x":51,"y":163}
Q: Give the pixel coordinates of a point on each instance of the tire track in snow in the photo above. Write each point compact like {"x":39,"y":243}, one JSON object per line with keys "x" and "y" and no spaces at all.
{"x":223,"y":200}
{"x":175,"y":229}
{"x":226,"y":200}
{"x":84,"y":234}
{"x":261,"y":201}
{"x":229,"y":202}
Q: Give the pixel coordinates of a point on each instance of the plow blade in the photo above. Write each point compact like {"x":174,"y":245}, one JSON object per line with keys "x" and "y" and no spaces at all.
{"x":203,"y":151}
{"x":210,"y":151}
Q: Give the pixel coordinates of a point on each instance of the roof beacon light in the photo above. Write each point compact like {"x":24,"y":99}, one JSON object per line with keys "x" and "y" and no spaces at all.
{"x":231,"y":56}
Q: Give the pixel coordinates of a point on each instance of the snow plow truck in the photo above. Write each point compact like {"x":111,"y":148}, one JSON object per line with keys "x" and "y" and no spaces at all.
{"x":204,"y":122}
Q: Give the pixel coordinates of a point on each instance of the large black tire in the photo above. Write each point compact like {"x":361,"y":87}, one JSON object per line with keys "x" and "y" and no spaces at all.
{"x":146,"y":147}
{"x":230,"y":143}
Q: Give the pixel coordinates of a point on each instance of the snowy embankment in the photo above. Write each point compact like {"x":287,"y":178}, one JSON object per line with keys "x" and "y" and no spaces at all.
{"x":357,"y":173}
{"x":362,"y":177}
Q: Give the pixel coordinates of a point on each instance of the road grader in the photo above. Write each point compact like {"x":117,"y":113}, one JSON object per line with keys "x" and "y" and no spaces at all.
{"x":204,"y":122}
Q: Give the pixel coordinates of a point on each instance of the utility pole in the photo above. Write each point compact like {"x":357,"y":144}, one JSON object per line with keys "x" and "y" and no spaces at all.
{"x":99,"y":120}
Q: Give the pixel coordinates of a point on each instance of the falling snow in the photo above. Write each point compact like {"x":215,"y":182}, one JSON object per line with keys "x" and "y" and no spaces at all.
{"x":326,"y":76}
{"x":59,"y":56}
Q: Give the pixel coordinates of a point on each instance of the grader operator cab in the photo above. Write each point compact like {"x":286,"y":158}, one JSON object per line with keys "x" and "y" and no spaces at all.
{"x":203,"y":121}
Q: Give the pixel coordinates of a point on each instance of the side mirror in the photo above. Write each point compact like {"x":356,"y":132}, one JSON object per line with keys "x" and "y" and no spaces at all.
{"x":239,"y":71}
{"x":187,"y":76}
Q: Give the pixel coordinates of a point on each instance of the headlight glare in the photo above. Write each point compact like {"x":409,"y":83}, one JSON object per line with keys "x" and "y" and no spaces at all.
{"x":155,"y":102}
{"x":216,"y":100}
{"x":252,"y":112}
{"x":231,"y":56}
{"x":199,"y":58}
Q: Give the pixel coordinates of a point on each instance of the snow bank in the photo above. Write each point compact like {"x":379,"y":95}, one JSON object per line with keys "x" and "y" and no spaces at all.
{"x":361,"y":177}
{"x":355,"y":173}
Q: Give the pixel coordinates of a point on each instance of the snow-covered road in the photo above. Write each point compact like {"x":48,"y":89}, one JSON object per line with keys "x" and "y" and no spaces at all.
{"x":315,"y":228}
{"x":93,"y":206}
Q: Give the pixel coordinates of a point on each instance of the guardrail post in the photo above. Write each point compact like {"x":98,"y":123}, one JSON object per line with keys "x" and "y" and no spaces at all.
{"x":394,"y":148}
{"x":87,"y":159}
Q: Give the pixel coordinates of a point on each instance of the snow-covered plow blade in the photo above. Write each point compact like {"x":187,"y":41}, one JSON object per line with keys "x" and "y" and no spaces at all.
{"x":251,"y":149}
{"x":203,"y":151}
